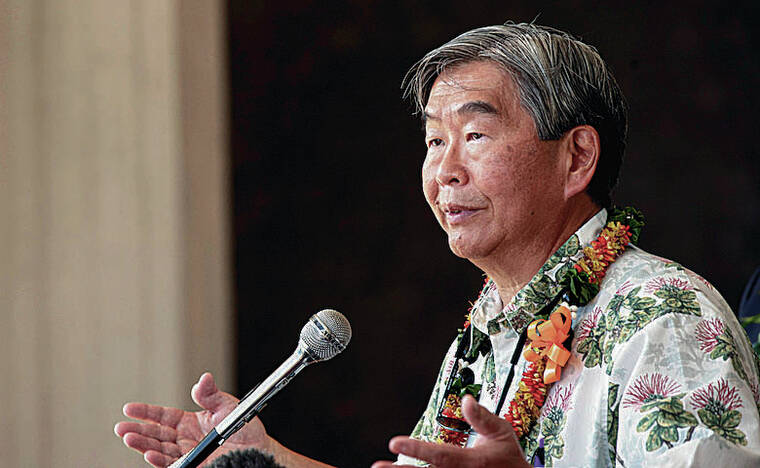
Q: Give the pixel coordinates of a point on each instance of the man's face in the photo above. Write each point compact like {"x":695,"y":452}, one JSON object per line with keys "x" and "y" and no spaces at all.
{"x":489,"y":180}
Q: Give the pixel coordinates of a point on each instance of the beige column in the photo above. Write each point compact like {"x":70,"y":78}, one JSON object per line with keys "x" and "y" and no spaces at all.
{"x":114,"y":269}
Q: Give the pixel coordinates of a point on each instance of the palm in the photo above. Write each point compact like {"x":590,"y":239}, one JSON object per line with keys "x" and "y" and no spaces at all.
{"x":171,"y":432}
{"x":193,"y":426}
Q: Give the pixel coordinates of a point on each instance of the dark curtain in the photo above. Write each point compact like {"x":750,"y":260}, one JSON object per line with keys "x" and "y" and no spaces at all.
{"x":328,"y":211}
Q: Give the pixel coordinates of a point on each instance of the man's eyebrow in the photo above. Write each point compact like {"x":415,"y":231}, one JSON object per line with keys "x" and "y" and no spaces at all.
{"x":472,"y":107}
{"x":477,"y":107}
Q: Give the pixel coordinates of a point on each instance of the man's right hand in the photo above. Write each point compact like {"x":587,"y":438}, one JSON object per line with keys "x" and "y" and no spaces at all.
{"x":169,"y":433}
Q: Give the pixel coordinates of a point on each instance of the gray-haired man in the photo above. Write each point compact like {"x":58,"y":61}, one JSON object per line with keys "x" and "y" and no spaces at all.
{"x":525,"y":130}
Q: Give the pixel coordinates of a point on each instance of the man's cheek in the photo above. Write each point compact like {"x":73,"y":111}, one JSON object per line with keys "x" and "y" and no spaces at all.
{"x":430,"y":190}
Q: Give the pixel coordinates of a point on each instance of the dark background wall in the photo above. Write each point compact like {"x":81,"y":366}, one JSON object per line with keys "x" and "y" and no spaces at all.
{"x":328,"y":210}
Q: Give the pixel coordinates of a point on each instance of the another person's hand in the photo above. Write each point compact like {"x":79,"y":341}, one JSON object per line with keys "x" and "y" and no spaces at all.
{"x":169,"y":433}
{"x":496,"y":446}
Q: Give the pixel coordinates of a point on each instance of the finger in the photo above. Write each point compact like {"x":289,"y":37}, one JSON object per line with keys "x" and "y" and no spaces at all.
{"x":437,"y":454}
{"x":152,"y":413}
{"x":485,"y":423}
{"x":156,"y":431}
{"x":144,"y":444}
{"x":158,"y":459}
{"x":206,"y":394}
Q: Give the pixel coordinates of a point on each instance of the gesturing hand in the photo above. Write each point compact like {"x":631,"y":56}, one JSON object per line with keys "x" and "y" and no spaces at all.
{"x":496,"y":445}
{"x":170,"y":432}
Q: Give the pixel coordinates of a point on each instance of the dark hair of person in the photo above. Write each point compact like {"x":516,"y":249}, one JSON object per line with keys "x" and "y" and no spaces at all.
{"x":250,"y":458}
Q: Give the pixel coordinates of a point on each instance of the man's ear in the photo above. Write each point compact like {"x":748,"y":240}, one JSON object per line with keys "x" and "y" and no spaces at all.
{"x":581,"y":149}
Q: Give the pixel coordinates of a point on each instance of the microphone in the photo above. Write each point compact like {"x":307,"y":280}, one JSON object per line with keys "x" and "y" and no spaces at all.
{"x":325,"y":335}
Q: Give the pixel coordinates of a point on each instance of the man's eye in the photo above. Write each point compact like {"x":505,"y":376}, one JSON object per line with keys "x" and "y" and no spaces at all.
{"x":435,"y":142}
{"x":475,"y":136}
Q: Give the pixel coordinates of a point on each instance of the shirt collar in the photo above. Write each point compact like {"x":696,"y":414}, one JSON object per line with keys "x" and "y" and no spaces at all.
{"x":489,"y":315}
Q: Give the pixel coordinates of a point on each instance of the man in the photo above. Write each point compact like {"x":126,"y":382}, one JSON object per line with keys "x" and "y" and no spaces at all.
{"x":525,"y":130}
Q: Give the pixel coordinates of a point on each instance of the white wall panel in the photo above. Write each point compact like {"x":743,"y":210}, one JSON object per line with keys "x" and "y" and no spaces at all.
{"x":114,"y":281}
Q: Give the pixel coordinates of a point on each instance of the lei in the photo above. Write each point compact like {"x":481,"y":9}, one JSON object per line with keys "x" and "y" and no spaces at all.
{"x":549,"y":336}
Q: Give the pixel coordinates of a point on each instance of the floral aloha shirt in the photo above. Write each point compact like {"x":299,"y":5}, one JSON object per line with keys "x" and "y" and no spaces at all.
{"x":661,"y":372}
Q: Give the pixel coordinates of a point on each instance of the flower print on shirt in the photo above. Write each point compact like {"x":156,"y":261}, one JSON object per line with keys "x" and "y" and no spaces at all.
{"x":716,"y":406}
{"x":716,"y":339}
{"x":613,"y":420}
{"x":657,"y":396}
{"x":677,"y":296}
{"x":555,"y":416}
{"x":590,"y":338}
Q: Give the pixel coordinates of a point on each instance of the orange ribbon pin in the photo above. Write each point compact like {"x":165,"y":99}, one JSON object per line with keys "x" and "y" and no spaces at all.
{"x":546,"y":338}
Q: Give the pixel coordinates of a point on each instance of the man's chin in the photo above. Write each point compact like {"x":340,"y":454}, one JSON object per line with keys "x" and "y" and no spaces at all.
{"x":463,"y":248}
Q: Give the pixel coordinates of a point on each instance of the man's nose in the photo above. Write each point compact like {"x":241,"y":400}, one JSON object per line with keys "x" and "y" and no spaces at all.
{"x":451,"y":170}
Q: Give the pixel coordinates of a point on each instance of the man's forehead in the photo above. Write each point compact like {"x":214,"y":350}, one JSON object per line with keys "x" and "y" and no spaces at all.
{"x":476,"y":87}
{"x":468,"y":107}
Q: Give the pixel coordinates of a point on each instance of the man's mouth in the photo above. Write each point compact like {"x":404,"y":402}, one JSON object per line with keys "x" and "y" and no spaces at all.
{"x":458,"y":214}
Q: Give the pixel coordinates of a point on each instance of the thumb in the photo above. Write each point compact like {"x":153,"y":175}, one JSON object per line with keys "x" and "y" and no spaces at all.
{"x":206,"y":395}
{"x":485,"y":423}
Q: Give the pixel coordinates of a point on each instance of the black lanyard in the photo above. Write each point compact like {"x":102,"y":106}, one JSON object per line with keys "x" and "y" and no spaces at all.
{"x":461,"y":351}
{"x":544,"y":312}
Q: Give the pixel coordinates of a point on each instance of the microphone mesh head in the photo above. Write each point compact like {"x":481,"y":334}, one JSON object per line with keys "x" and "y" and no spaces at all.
{"x":326,"y":334}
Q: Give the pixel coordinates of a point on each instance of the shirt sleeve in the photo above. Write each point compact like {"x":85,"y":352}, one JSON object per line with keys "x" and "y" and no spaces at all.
{"x":688,"y":384}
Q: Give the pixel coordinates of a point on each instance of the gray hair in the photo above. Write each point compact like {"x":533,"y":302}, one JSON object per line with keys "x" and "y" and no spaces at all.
{"x":561,"y":82}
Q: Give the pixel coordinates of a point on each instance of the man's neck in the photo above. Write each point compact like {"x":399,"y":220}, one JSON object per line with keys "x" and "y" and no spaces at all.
{"x":511,"y":272}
